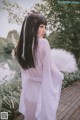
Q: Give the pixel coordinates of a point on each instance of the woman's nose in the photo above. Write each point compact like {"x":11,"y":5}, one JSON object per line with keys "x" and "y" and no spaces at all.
{"x":44,"y":30}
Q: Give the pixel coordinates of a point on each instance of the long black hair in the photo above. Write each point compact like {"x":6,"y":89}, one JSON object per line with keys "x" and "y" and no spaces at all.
{"x":28,"y":41}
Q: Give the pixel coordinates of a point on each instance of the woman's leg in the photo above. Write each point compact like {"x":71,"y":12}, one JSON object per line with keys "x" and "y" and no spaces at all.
{"x":30,"y":110}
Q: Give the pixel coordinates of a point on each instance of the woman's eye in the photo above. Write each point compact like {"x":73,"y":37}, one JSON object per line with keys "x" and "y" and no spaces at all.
{"x":41,"y":26}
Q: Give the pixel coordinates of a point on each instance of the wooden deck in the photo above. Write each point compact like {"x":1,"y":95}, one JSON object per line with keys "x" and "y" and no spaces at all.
{"x":69,"y":106}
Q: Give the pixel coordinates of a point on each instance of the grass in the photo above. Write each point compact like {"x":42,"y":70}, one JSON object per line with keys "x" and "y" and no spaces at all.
{"x":10,"y":95}
{"x":10,"y":91}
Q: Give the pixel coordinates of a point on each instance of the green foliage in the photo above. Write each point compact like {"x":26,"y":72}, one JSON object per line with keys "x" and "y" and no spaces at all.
{"x":6,"y":45}
{"x":2,"y":44}
{"x":68,"y":31}
{"x":16,"y":13}
{"x":10,"y":91}
{"x":69,"y":78}
{"x":14,"y":33}
{"x":8,"y":48}
{"x":53,"y":39}
{"x":10,"y":94}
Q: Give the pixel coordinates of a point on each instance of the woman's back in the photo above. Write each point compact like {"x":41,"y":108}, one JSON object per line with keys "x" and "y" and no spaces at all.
{"x":40,"y":54}
{"x":32,"y":79}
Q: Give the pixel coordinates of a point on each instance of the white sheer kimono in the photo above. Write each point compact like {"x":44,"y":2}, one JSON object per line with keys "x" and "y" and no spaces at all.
{"x":41,"y":86}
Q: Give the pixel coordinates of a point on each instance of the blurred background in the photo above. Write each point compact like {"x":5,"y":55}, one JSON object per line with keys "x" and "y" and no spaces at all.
{"x":63,"y":31}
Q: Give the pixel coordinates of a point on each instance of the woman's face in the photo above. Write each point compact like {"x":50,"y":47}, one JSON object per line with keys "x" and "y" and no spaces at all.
{"x":41,"y":31}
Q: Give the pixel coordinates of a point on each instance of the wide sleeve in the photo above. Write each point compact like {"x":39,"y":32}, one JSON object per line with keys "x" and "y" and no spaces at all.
{"x":50,"y":88}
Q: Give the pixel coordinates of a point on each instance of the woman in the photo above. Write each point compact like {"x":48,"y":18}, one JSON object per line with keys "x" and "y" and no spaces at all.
{"x":41,"y":81}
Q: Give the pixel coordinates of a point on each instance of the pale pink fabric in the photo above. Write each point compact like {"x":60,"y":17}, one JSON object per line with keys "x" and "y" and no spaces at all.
{"x":41,"y":86}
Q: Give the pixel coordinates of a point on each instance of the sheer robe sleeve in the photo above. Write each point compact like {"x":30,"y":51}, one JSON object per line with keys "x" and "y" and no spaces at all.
{"x":50,"y":88}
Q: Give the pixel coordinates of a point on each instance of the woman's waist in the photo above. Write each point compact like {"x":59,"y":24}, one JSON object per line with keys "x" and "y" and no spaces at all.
{"x":35,"y":79}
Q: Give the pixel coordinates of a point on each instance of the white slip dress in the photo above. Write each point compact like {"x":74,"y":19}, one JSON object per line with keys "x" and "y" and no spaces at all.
{"x":41,"y":86}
